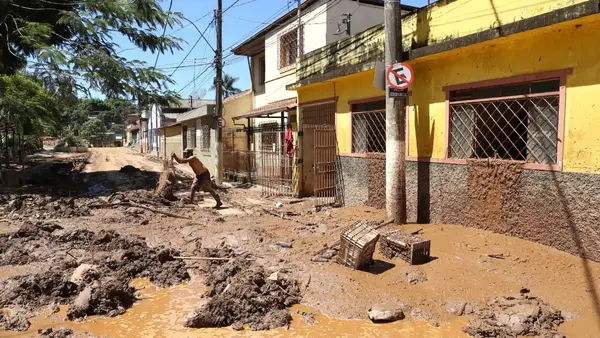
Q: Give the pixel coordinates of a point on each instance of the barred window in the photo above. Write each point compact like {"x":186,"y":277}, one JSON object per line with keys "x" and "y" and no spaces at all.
{"x":204,"y":138}
{"x":368,"y":127}
{"x":512,"y":122}
{"x":269,"y":133}
{"x":288,"y":48}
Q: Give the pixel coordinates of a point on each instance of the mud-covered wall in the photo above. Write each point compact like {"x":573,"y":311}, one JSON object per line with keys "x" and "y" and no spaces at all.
{"x":558,"y":209}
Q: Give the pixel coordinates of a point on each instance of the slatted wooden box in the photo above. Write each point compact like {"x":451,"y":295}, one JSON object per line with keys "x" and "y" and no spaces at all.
{"x":410,"y":248}
{"x":357,"y":244}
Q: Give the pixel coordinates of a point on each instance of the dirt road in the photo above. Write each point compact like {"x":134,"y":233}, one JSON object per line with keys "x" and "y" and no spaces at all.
{"x":461,"y":269}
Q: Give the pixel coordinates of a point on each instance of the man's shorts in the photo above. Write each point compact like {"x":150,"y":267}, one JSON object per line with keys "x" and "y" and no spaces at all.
{"x":202,"y":181}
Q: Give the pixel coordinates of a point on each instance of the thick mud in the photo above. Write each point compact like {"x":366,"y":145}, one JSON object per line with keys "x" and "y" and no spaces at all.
{"x":514,"y":316}
{"x":90,"y":271}
{"x":243,"y":294}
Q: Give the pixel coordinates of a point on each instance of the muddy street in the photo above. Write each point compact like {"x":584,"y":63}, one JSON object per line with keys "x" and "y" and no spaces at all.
{"x":99,"y":254}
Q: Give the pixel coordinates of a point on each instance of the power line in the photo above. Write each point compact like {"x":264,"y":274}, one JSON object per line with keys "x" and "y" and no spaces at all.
{"x":196,"y":43}
{"x":163,"y":33}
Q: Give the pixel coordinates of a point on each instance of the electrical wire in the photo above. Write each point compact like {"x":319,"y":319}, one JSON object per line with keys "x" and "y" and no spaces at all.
{"x":163,"y":33}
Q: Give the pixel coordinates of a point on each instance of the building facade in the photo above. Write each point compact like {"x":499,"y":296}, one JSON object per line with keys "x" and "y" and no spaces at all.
{"x":500,"y":129}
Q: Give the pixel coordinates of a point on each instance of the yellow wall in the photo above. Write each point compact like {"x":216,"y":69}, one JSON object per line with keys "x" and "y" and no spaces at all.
{"x":559,"y":47}
{"x":448,"y":19}
{"x":349,"y":88}
{"x":172,"y":136}
{"x":567,"y":45}
{"x":235,"y":107}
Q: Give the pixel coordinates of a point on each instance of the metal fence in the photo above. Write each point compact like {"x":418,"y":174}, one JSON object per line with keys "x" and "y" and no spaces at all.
{"x":328,"y":177}
{"x":523,"y":129}
{"x":368,"y":132}
{"x":259,"y":155}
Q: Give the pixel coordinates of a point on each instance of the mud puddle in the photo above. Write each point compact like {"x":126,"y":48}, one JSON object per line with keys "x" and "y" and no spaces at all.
{"x":162,"y":313}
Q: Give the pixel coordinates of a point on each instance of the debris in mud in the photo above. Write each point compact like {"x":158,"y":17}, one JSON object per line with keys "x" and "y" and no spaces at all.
{"x":62,"y":332}
{"x":16,"y":322}
{"x":456,"y":307}
{"x":44,"y":207}
{"x":308,"y":317}
{"x":414,"y":275}
{"x":242,"y":294}
{"x":385,"y":313}
{"x":514,"y":316}
{"x":96,"y":281}
{"x":410,"y":248}
{"x":104,"y":296}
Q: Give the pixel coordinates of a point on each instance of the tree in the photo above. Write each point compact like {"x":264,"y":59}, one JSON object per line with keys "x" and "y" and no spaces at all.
{"x":93,"y":131}
{"x":228,"y":85}
{"x":71,"y":43}
{"x":26,"y":104}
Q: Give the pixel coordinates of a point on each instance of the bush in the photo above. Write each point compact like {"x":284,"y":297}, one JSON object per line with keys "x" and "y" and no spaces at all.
{"x":70,"y":141}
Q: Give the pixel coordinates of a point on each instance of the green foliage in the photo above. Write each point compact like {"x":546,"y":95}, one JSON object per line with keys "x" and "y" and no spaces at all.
{"x":25,"y":103}
{"x":70,"y":141}
{"x":73,"y":45}
{"x":229,"y":87}
{"x":117,"y":129}
{"x":93,"y":131}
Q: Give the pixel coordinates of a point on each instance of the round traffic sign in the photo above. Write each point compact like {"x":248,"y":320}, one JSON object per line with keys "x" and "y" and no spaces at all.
{"x":399,"y":75}
{"x":220,"y":122}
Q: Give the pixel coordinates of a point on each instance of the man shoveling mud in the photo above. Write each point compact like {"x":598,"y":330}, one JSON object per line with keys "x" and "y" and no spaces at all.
{"x":202,"y":179}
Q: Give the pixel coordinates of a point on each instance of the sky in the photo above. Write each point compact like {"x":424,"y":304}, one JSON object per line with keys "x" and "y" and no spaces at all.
{"x":239,"y":23}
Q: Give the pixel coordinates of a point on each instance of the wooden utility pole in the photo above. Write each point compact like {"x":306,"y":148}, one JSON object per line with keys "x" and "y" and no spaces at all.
{"x":395,"y":165}
{"x":219,"y":89}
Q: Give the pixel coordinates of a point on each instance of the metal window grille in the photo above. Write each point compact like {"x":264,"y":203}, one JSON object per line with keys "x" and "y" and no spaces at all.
{"x":523,"y":128}
{"x":288,"y":47}
{"x":205,"y":138}
{"x":269,"y":136}
{"x":368,"y":132}
{"x":318,"y":115}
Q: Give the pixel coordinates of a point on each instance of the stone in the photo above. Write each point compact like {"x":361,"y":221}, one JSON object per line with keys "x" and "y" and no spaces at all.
{"x":385,"y":313}
{"x":82,"y":302}
{"x":80,"y":271}
{"x":274,"y":276}
{"x":456,"y":307}
{"x":237,"y":326}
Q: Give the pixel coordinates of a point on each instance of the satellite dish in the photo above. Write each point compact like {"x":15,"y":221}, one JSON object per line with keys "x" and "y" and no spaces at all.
{"x":199,"y":94}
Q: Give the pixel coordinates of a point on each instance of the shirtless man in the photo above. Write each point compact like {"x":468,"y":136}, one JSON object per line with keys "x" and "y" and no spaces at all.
{"x":202,"y":179}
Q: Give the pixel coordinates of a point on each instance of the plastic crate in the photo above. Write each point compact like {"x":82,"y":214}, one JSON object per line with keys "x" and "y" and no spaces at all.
{"x":357,"y":244}
{"x":412,"y":249}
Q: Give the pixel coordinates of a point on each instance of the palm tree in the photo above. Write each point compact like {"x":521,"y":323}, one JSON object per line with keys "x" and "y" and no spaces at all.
{"x":228,"y":85}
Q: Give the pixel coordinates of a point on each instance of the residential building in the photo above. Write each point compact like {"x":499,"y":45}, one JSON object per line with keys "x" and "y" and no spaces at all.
{"x":273,"y":54}
{"x":158,"y":116}
{"x":132,"y":128}
{"x":501,"y":133}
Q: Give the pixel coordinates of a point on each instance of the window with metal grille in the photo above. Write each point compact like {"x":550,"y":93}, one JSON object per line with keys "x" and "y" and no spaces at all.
{"x":269,"y":134}
{"x":288,"y":48}
{"x":204,"y":138}
{"x":368,"y":127}
{"x":512,"y":122}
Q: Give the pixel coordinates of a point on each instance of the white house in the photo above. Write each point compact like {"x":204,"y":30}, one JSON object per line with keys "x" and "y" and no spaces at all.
{"x":273,"y":50}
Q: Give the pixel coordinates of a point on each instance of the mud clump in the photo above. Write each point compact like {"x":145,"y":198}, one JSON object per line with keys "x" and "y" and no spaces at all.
{"x":101,"y":290}
{"x":62,"y":332}
{"x":36,"y":290}
{"x":44,"y":207}
{"x":107,"y":296}
{"x":242,"y":294}
{"x":17,"y":322}
{"x":508,"y":317}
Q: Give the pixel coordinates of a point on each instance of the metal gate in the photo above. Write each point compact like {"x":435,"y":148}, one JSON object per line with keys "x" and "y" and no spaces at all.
{"x":275,"y":171}
{"x":328,"y":185}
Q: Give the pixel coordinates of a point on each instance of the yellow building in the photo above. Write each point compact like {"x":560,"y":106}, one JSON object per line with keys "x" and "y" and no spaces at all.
{"x":501,"y":128}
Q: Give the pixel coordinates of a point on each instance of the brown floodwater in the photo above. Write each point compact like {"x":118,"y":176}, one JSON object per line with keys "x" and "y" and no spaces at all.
{"x":162,"y":312}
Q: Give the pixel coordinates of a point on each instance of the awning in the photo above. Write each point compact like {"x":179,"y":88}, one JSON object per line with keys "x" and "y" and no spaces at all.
{"x":274,"y":107}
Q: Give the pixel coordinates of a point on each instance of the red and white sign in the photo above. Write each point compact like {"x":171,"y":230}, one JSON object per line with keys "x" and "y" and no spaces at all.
{"x":220,"y":122}
{"x":399,"y":76}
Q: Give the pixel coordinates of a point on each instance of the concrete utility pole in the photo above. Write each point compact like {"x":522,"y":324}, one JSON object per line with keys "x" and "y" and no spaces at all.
{"x":395,"y":165}
{"x":219,"y":88}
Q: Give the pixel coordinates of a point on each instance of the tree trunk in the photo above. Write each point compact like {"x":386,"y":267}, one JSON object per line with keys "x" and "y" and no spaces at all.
{"x":166,"y":181}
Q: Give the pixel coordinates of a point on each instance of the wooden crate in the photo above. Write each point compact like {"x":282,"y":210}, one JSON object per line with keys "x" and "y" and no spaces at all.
{"x":409,"y":248}
{"x":357,"y":244}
